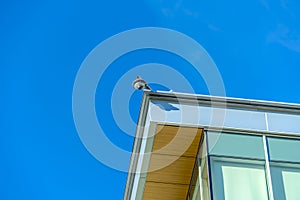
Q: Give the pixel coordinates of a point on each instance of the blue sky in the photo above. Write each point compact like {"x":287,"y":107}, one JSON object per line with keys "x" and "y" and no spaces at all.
{"x":255,"y":44}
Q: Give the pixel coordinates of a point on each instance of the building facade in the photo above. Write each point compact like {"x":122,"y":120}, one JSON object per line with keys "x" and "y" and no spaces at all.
{"x":203,"y":147}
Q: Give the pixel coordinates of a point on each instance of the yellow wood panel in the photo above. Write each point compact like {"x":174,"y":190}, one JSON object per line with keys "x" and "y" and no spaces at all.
{"x":162,"y":191}
{"x":172,"y":161}
{"x":178,"y":171}
{"x":174,"y":140}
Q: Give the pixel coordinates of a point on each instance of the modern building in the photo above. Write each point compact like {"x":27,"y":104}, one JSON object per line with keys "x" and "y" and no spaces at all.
{"x":203,"y":147}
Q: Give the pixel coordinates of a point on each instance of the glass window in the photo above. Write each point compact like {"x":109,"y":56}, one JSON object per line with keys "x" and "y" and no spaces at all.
{"x":199,"y":189}
{"x":287,"y":123}
{"x":196,"y":195}
{"x":194,"y":190}
{"x":284,"y":149}
{"x":245,"y":119}
{"x":286,"y":181}
{"x":235,"y":145}
{"x":236,"y":179}
{"x":285,"y":167}
{"x":186,"y":113}
{"x":204,"y":171}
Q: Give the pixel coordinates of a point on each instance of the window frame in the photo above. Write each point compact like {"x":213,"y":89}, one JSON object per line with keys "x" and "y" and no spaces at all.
{"x":268,"y":162}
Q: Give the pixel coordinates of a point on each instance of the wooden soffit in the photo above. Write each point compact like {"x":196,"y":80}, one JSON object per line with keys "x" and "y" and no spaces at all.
{"x":174,"y":153}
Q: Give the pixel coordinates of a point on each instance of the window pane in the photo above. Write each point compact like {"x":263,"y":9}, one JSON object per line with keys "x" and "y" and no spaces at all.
{"x":284,"y":149}
{"x":204,"y":171}
{"x":199,"y":189}
{"x":194,"y":189}
{"x":205,"y":187}
{"x":245,"y":119}
{"x":206,"y":115}
{"x":241,"y":182}
{"x":291,"y":182}
{"x":286,"y":182}
{"x":236,"y":181}
{"x":196,"y":195}
{"x":287,"y":123}
{"x":235,"y":145}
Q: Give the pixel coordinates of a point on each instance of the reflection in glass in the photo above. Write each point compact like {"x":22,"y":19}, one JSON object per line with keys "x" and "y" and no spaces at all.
{"x":187,"y":113}
{"x":165,"y":105}
{"x":238,"y":180}
{"x":204,"y":172}
{"x":241,"y":182}
{"x":286,"y":181}
{"x":236,"y":145}
{"x":245,"y":119}
{"x":291,"y":183}
{"x":199,"y":188}
{"x":196,"y":195}
{"x":284,"y":149}
{"x":282,"y":122}
{"x":194,"y":189}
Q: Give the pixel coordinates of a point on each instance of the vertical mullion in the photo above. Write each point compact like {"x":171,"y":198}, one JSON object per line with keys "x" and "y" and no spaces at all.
{"x":266,"y":121}
{"x":268,"y":171}
{"x":208,"y":167}
{"x":200,"y":179}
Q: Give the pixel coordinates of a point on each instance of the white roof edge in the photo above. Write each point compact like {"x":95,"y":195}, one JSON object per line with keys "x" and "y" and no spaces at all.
{"x":224,"y":99}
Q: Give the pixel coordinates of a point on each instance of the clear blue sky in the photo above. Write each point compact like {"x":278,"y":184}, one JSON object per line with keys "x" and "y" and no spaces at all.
{"x":255,"y":44}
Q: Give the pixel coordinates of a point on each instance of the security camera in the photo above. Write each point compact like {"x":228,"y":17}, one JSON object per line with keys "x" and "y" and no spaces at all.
{"x":140,"y":84}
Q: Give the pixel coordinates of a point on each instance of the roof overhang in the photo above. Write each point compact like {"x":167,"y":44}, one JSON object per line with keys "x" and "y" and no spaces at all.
{"x":143,"y":143}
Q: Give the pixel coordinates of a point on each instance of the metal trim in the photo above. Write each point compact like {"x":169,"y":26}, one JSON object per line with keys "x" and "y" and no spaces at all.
{"x":227,"y":102}
{"x":209,"y":176}
{"x":136,"y":147}
{"x":236,"y":130}
{"x":268,"y":170}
